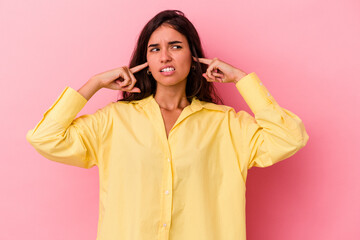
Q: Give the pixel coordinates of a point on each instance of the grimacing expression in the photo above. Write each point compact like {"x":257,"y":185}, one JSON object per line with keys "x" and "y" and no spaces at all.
{"x":167,"y":46}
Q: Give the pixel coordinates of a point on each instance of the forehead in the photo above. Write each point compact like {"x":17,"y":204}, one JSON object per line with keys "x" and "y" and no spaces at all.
{"x":166,"y":34}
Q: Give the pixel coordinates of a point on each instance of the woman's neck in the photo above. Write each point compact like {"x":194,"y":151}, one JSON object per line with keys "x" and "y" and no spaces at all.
{"x":171,"y":97}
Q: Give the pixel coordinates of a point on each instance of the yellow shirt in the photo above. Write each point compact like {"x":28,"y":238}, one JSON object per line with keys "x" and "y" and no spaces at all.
{"x":189,"y":186}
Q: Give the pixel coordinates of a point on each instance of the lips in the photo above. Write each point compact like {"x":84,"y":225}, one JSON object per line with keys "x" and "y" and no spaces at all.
{"x":166,"y":66}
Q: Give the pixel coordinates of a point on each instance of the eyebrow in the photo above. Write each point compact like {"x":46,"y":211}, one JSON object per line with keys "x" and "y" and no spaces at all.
{"x":156,"y":44}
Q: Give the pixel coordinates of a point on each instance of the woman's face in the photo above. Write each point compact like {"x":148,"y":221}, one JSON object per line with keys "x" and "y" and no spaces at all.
{"x":167,"y":46}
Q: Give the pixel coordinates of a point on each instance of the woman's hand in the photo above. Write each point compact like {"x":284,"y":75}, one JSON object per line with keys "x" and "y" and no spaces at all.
{"x":121,"y":78}
{"x":219,"y":71}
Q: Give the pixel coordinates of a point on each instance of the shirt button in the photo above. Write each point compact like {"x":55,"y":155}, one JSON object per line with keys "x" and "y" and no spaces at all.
{"x":164,"y":224}
{"x":268,"y":94}
{"x":168,"y":159}
{"x":166,"y":192}
{"x":261,"y":83}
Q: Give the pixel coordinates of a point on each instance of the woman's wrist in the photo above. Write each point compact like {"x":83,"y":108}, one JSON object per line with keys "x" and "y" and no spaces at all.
{"x":90,"y":88}
{"x":239,"y":76}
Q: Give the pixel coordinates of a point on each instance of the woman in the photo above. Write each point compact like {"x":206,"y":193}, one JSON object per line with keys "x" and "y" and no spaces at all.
{"x":172,"y":163}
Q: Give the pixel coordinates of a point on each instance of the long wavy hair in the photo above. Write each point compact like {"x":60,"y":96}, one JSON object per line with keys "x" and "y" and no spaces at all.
{"x":196,"y":84}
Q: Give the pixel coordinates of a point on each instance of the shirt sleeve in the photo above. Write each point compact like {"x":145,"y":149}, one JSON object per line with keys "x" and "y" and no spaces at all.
{"x":272,"y":135}
{"x":62,"y":138}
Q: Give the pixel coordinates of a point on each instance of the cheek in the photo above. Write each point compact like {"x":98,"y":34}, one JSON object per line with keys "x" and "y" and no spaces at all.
{"x":150,"y":61}
{"x":186,"y":63}
{"x":187,"y":59}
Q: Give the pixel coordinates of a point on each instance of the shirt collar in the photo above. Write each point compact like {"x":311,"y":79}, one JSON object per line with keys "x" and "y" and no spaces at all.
{"x":196,"y":104}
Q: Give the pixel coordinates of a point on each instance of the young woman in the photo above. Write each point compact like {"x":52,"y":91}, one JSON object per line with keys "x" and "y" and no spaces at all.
{"x":172,"y":162}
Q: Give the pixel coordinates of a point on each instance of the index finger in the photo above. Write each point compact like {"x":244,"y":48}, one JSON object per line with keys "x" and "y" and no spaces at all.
{"x":203,"y":60}
{"x":139,"y":67}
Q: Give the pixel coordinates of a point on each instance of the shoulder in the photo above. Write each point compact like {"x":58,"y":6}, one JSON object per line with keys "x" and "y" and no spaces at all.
{"x":113,"y":106}
{"x":228,"y":112}
{"x":215,"y":107}
{"x":124,"y":106}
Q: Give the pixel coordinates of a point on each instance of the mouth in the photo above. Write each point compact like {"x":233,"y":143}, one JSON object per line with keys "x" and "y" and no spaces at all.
{"x":167,"y":71}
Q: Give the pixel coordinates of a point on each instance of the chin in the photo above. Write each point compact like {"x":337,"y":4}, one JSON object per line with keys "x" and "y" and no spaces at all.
{"x":169,"y":81}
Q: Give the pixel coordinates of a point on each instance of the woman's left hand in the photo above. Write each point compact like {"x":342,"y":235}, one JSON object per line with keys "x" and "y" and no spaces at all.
{"x":219,"y":71}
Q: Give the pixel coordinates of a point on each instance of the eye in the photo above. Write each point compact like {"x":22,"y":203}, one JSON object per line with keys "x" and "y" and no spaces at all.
{"x":178,"y":47}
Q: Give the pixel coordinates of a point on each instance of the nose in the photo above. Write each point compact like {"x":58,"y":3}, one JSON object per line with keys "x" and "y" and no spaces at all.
{"x":165,"y":55}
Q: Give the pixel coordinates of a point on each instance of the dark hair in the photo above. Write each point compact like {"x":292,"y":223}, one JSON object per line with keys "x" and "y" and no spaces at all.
{"x":196,"y":84}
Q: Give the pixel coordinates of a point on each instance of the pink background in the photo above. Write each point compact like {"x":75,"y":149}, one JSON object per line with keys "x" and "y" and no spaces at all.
{"x":305,"y":52}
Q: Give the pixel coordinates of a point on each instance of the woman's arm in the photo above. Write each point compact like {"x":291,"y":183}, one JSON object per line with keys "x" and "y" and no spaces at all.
{"x":62,"y":138}
{"x":90,"y":88}
{"x":272,"y":135}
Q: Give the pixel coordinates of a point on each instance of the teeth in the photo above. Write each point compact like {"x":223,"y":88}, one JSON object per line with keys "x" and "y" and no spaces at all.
{"x":168,"y":69}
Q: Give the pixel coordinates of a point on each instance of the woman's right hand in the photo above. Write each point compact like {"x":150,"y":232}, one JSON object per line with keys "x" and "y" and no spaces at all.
{"x":121,"y":78}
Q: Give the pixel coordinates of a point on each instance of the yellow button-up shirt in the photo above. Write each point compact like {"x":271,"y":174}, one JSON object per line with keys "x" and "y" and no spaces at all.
{"x":189,"y":186}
